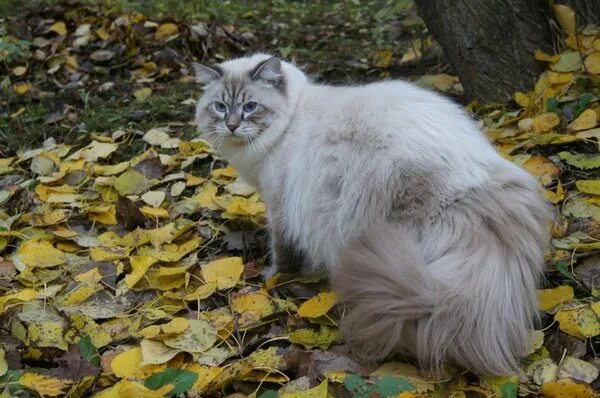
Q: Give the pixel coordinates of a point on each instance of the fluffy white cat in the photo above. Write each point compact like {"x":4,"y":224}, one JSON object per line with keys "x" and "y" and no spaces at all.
{"x":432,"y":239}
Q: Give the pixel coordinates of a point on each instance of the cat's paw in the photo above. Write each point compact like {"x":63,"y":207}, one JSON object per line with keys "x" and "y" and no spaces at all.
{"x":269,"y":271}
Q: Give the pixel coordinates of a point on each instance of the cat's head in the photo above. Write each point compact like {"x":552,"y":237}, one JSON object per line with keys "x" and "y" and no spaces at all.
{"x":243,"y":98}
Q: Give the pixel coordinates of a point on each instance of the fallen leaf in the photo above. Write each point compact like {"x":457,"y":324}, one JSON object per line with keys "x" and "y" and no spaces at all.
{"x":550,"y":298}
{"x":43,"y":385}
{"x":166,"y":31}
{"x":142,"y":93}
{"x":225,"y":272}
{"x":566,"y":388}
{"x":318,"y":305}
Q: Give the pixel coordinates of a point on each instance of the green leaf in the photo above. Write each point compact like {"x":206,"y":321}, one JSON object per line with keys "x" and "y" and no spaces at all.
{"x":509,"y":390}
{"x":181,"y":379}
{"x":11,"y":379}
{"x":390,"y":386}
{"x":582,"y":103}
{"x":580,"y":161}
{"x":88,"y":351}
{"x":269,"y":394}
{"x":552,"y":105}
{"x":561,"y":267}
{"x":353,"y":383}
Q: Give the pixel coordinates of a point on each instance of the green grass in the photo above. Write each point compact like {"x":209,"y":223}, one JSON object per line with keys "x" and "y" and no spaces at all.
{"x":335,"y":40}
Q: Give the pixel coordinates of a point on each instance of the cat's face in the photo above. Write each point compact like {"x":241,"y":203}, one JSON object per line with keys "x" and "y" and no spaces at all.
{"x":239,"y":103}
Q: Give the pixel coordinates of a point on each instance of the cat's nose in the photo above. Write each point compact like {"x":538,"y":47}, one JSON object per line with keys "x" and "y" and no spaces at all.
{"x":232,"y":126}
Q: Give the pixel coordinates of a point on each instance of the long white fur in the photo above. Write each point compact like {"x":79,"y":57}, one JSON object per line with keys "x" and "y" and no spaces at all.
{"x":432,"y":238}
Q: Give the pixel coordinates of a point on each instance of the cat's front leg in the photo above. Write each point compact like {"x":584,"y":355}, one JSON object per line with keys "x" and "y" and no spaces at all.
{"x":285,"y":257}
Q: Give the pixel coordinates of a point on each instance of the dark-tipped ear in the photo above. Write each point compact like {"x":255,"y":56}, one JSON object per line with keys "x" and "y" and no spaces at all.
{"x":268,"y":71}
{"x":206,"y":75}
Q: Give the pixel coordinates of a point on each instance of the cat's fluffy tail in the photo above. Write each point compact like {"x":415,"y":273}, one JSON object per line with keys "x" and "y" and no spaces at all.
{"x":473,"y":306}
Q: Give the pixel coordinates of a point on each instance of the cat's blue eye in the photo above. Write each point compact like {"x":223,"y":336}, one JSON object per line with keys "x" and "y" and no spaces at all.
{"x":250,"y":106}
{"x":220,"y":107}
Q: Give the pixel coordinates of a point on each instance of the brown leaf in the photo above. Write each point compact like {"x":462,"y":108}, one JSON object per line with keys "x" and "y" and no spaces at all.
{"x":129,"y":214}
{"x":150,"y":168}
{"x":71,"y":366}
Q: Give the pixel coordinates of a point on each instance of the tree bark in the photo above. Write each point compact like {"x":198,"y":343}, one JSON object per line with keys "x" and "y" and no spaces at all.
{"x":490,"y":43}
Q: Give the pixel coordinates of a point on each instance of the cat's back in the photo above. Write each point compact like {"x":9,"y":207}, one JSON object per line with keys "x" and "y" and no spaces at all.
{"x":392,"y":117}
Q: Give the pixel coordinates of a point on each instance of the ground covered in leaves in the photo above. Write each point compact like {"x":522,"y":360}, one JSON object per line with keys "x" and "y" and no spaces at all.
{"x":130,"y":255}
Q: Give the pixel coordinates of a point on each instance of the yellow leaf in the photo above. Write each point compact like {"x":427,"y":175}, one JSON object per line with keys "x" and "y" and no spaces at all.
{"x":318,"y":305}
{"x":133,"y":389}
{"x":199,"y":336}
{"x":156,"y":353}
{"x":319,"y":391}
{"x":522,"y":99}
{"x":545,"y":122}
{"x":207,"y":196}
{"x":110,"y":169}
{"x":93,"y":275}
{"x":102,"y":34}
{"x":592,"y":63}
{"x":171,"y":252}
{"x":587,"y":322}
{"x":566,"y":388}
{"x":192,"y":180}
{"x":542,"y":167}
{"x":20,"y":296}
{"x":560,"y":78}
{"x":107,"y":217}
{"x":245,"y":207}
{"x":40,"y":254}
{"x":21,"y":88}
{"x":128,"y":364}
{"x":59,"y":27}
{"x":86,"y":325}
{"x":81,"y":293}
{"x":383,"y":58}
{"x":567,"y":320}
{"x":142,"y":93}
{"x":566,"y":18}
{"x":555,"y":197}
{"x":166,"y":31}
{"x":228,"y":172}
{"x":205,"y":375}
{"x":3,"y":363}
{"x":588,"y":186}
{"x":46,"y":386}
{"x":177,"y":325}
{"x":202,"y":292}
{"x":587,"y":120}
{"x":139,"y":267}
{"x":550,"y":298}
{"x":596,"y":307}
{"x":225,"y":272}
{"x":310,"y":338}
{"x":542,"y":56}
{"x":152,"y":212}
{"x":107,"y":253}
{"x":19,"y":70}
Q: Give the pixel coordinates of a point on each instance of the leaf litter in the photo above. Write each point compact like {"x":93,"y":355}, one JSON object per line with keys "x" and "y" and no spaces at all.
{"x":136,"y":272}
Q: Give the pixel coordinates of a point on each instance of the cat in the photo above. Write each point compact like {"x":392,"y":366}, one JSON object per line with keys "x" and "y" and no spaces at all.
{"x":432,"y":239}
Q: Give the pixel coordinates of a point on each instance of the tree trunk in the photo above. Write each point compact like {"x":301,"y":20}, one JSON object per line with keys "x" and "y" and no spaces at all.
{"x":490,"y":43}
{"x":588,"y":11}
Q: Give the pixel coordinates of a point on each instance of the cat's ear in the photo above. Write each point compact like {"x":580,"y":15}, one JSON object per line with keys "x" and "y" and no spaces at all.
{"x":206,"y":75}
{"x":268,"y":72}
